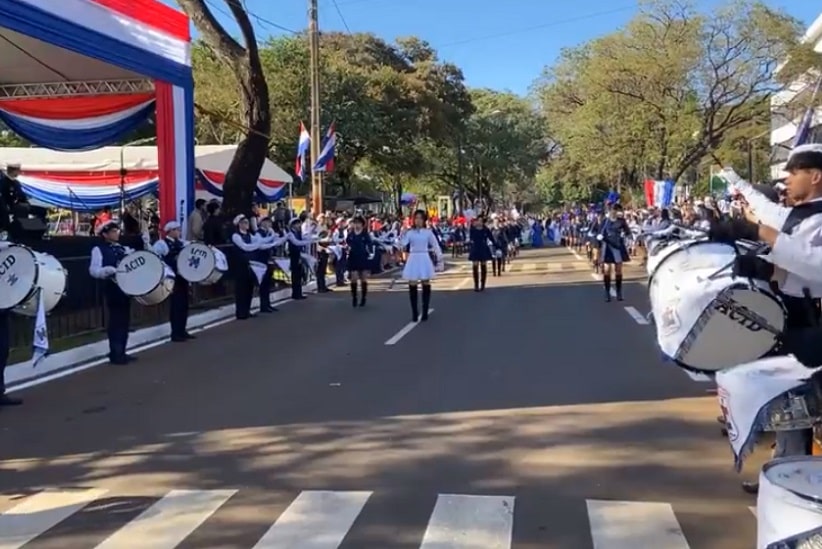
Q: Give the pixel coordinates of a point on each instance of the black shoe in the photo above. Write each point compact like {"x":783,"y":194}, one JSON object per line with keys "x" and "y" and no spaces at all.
{"x":607,"y":299}
{"x":119,"y":361}
{"x":178,"y":339}
{"x":6,"y":400}
{"x":751,"y":488}
{"x":619,"y":297}
{"x":424,"y":317}
{"x":415,"y":317}
{"x":362,"y":302}
{"x":354,"y":302}
{"x":192,"y":336}
{"x":131,"y":358}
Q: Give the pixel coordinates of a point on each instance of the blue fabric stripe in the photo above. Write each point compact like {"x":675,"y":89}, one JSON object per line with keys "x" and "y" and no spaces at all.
{"x":259,"y":195}
{"x":62,"y":139}
{"x":190,"y":159}
{"x":74,"y":197}
{"x":32,"y":21}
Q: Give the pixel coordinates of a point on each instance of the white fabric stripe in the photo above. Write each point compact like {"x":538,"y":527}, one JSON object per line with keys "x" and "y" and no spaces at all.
{"x":631,"y":525}
{"x":467,"y":522}
{"x":168,"y":522}
{"x":315,"y":520}
{"x":115,"y":25}
{"x":182,"y":139}
{"x":39,"y":513}
{"x":82,"y":123}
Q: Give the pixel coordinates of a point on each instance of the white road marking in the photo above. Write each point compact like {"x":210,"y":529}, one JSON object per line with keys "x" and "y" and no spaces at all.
{"x":468,"y":522}
{"x":404,"y":331}
{"x":579,"y":257}
{"x":315,"y":520}
{"x":599,"y":277}
{"x":638,"y":317}
{"x":752,"y":510}
{"x":529,"y":266}
{"x":462,"y":283}
{"x":36,"y":514}
{"x":168,"y":522}
{"x":631,"y":525}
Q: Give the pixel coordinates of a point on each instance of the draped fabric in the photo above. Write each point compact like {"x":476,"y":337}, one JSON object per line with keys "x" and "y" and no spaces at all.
{"x":658,"y":193}
{"x":267,"y":190}
{"x":76,"y":123}
{"x":88,"y":193}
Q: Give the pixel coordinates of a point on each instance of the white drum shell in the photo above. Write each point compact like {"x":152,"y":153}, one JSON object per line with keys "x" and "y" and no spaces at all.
{"x":208,"y":267}
{"x":681,"y":289}
{"x":150,"y":282}
{"x":781,"y":512}
{"x":35,"y":271}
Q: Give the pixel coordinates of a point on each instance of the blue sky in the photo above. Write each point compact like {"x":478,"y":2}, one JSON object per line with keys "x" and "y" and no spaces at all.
{"x":501,"y":44}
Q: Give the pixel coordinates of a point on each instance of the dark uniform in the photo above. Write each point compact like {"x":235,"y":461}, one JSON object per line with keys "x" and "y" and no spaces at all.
{"x":500,"y":240}
{"x":178,"y":302}
{"x":266,"y":257}
{"x":361,"y":250}
{"x":104,"y":260}
{"x":480,"y":254}
{"x":243,"y":276}
{"x":295,"y":260}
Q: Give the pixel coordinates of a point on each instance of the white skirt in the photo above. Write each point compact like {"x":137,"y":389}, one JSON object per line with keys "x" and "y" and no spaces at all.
{"x":418,"y":266}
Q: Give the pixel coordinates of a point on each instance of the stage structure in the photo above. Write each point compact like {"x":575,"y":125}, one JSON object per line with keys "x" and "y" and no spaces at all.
{"x":76,"y":75}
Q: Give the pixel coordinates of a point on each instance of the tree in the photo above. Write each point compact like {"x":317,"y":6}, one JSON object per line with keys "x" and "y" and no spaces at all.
{"x":668,"y":90}
{"x":243,"y":62}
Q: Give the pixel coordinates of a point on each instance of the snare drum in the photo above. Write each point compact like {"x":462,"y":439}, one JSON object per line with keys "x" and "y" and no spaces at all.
{"x":789,"y":505}
{"x":24,"y":273}
{"x":143,"y":276}
{"x":705,"y":319}
{"x":201,"y":264}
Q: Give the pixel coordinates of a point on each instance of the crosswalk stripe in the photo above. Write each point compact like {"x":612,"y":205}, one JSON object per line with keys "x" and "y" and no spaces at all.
{"x":37,"y":514}
{"x":168,"y":522}
{"x":629,"y":525}
{"x":315,"y":520}
{"x":467,"y":522}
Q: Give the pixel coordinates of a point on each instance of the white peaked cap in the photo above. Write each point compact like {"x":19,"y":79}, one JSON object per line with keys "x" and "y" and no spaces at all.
{"x":103,"y":227}
{"x":809,"y":148}
{"x":171,"y":225}
{"x":239,"y":218}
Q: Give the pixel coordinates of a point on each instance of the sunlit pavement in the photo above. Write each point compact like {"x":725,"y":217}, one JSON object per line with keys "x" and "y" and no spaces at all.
{"x":536,"y":394}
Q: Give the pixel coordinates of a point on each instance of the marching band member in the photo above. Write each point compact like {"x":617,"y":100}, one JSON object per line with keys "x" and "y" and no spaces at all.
{"x":360,"y":254}
{"x":480,"y":252}
{"x":103,"y":266}
{"x":613,"y":251}
{"x":5,"y":347}
{"x":295,"y":250}
{"x":248,"y":245}
{"x":264,"y":254}
{"x":794,"y":263}
{"x":169,"y":249}
{"x":419,"y":268}
{"x":338,"y":236}
{"x":501,"y":244}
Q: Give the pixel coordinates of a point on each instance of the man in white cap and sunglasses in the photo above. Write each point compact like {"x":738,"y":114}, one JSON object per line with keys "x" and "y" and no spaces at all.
{"x":168,"y":249}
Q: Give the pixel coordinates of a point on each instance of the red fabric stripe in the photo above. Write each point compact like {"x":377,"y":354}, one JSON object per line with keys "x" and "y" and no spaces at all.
{"x":166,"y":157}
{"x":270,"y":183}
{"x":91,"y":179}
{"x":649,"y":191}
{"x":153,"y":13}
{"x":216,"y":178}
{"x":73,"y":107}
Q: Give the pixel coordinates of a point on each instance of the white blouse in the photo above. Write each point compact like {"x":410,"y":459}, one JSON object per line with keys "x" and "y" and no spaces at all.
{"x":421,"y":241}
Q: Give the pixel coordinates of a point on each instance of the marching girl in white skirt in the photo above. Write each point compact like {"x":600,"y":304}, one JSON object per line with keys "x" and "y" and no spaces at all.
{"x":419,"y":268}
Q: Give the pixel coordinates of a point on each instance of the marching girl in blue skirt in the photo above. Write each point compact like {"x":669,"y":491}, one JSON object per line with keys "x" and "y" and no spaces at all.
{"x":360,"y":258}
{"x":480,"y":252}
{"x":613,"y":252}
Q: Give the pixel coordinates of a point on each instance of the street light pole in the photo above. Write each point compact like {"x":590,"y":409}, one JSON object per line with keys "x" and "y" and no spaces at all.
{"x":314,"y":53}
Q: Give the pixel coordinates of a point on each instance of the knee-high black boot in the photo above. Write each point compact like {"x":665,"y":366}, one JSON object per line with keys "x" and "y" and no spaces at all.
{"x":606,"y":279}
{"x":494,"y":263}
{"x":364,"y":284}
{"x":353,"y":293}
{"x":475,"y":272}
{"x":426,"y":300}
{"x":483,"y":274}
{"x":415,"y":308}
{"x":618,"y":280}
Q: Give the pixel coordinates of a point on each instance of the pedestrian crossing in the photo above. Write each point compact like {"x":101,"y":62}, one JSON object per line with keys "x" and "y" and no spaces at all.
{"x":330,"y":519}
{"x":526,"y":267}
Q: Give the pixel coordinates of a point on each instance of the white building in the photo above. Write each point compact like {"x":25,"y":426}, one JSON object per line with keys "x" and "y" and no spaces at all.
{"x":788,"y":107}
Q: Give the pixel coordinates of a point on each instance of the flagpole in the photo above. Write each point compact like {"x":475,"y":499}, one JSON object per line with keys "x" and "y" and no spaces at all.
{"x":316,"y":139}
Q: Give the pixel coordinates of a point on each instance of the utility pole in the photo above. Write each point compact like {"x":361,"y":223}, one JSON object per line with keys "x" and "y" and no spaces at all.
{"x":316,"y":139}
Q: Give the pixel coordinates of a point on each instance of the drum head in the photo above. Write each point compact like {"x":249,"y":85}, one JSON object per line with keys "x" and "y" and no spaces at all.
{"x":18,"y":275}
{"x":196,"y":262}
{"x":139,"y":273}
{"x":799,"y":475}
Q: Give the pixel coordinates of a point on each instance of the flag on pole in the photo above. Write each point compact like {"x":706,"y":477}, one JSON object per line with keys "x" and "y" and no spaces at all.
{"x":303,"y":144}
{"x":325,"y":163}
{"x":40,"y":341}
{"x":803,"y":131}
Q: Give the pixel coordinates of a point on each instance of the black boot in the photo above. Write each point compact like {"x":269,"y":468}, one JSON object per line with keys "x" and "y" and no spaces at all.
{"x":607,"y":281}
{"x":364,"y":284}
{"x":426,"y":300}
{"x":415,"y":308}
{"x":619,"y":287}
{"x":483,"y":275}
{"x":353,"y":293}
{"x":475,"y":272}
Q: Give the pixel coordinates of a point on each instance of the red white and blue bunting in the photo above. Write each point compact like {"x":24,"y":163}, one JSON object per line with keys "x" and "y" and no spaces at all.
{"x":267,"y":190}
{"x":88,"y":192}
{"x":76,"y":123}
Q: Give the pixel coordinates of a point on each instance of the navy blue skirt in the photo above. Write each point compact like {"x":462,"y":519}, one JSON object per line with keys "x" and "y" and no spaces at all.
{"x":479,"y":253}
{"x":614,"y":254}
{"x":356,"y":264}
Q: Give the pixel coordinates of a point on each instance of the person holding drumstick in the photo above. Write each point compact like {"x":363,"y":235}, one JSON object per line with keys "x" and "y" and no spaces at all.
{"x":168,"y":249}
{"x":103,"y":266}
{"x":5,"y":346}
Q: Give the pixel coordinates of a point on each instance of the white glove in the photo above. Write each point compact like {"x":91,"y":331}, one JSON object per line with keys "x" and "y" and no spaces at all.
{"x":110,"y":271}
{"x":371,"y":256}
{"x":599,"y":238}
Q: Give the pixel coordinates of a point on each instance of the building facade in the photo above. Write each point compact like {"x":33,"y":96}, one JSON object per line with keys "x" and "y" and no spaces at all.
{"x":789,"y":106}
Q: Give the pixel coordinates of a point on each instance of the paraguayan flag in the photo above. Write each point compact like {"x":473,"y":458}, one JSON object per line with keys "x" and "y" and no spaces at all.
{"x":40,"y":341}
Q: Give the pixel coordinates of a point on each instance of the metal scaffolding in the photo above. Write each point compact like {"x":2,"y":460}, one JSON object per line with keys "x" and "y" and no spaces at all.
{"x":63,"y":89}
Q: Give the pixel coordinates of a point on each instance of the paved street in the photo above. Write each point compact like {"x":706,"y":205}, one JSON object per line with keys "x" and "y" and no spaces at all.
{"x":534,"y":415}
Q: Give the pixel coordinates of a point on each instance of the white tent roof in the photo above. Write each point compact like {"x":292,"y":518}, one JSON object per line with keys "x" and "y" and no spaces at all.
{"x":207,"y":157}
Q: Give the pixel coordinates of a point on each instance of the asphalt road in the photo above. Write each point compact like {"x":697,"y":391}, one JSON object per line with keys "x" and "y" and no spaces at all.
{"x":518,"y":417}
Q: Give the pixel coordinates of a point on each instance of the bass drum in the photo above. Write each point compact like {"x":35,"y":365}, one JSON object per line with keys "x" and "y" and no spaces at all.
{"x":201,"y":264}
{"x":789,"y":505}
{"x":25,"y":275}
{"x":143,"y":276}
{"x":705,"y":319}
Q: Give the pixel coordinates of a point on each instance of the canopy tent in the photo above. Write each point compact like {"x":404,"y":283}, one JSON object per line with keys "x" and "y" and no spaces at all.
{"x":90,"y":180}
{"x":79,"y":74}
